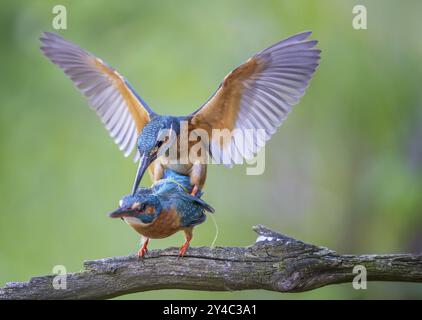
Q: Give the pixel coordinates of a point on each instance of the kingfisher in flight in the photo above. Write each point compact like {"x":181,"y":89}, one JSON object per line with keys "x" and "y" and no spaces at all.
{"x":257,"y":95}
{"x":162,"y":210}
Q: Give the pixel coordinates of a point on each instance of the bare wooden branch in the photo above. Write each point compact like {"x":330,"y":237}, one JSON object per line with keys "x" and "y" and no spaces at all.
{"x":275,"y":262}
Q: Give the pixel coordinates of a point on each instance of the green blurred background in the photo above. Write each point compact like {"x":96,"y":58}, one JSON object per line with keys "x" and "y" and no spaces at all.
{"x":344,"y":171}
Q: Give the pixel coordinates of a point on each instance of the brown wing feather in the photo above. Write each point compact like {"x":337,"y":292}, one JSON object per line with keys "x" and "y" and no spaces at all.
{"x":258,"y":95}
{"x":221,"y":111}
{"x":138,"y":112}
{"x":122,"y":111}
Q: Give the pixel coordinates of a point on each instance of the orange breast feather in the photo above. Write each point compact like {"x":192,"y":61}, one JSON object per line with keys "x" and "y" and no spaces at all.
{"x":166,"y":224}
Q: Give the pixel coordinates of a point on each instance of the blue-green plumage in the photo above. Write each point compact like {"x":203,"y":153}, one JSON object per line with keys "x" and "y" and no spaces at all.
{"x":183,"y":180}
{"x":164,"y":195}
{"x":148,"y":138}
{"x":156,"y":137}
{"x":163,"y":209}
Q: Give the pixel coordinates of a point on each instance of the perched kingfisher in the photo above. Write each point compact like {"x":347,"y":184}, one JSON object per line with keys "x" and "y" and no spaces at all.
{"x":162,"y":210}
{"x":258,"y":94}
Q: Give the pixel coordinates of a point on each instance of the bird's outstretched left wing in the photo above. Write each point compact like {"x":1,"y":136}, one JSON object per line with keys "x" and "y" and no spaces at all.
{"x":259,"y":94}
{"x":122,"y":111}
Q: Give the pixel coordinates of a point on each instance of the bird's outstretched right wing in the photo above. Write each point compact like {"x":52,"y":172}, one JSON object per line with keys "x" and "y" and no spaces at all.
{"x":258,"y":94}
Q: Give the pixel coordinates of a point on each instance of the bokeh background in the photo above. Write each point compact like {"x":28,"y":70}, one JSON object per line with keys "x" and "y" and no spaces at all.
{"x":344,"y":171}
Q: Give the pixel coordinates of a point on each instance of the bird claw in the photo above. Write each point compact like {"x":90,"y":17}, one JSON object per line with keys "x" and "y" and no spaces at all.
{"x":141,"y":253}
{"x":183,"y":249}
{"x":143,"y":250}
{"x":194,"y":191}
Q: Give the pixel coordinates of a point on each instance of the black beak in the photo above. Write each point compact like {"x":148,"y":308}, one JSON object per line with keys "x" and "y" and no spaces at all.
{"x":119,"y":213}
{"x":144,"y":162}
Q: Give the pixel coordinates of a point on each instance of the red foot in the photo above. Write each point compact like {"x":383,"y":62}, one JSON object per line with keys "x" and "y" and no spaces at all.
{"x":183,"y":249}
{"x":194,"y":190}
{"x":143,"y":249}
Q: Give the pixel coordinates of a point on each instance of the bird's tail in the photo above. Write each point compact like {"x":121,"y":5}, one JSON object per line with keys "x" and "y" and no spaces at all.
{"x":204,"y":205}
{"x":199,"y":201}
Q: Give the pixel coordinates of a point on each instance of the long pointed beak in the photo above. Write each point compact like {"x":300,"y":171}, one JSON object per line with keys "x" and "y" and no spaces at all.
{"x":119,"y":213}
{"x":143,"y":165}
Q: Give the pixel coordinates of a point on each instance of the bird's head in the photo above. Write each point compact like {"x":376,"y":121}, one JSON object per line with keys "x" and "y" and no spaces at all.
{"x":156,"y":138}
{"x":144,"y":205}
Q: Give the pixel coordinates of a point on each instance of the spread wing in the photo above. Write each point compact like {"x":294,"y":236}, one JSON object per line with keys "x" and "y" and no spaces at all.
{"x":122,"y":111}
{"x":259,"y":94}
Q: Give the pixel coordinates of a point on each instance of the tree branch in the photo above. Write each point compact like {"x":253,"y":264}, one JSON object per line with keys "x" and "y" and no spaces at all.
{"x":275,"y":262}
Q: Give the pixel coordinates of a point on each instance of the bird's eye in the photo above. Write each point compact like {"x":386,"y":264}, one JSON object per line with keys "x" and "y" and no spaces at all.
{"x":154,"y":150}
{"x":141,"y":208}
{"x":157,"y":146}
